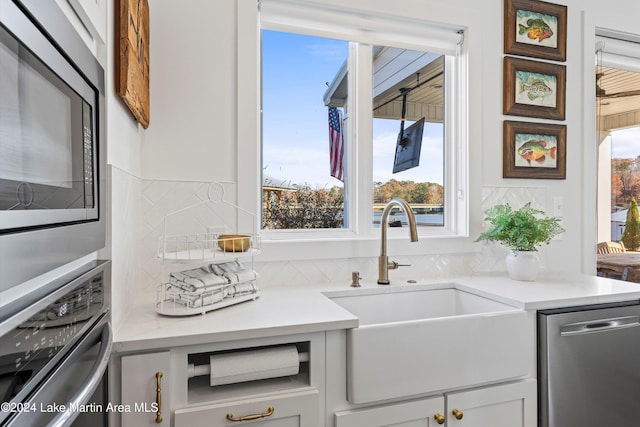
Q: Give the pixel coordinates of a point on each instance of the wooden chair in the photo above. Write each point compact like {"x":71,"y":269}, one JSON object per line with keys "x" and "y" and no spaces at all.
{"x":610,"y":248}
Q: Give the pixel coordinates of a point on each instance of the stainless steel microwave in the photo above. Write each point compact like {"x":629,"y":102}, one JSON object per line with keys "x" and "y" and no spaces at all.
{"x":52,"y":127}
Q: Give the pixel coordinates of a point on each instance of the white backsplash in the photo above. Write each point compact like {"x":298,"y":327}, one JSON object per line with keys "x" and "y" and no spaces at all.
{"x":125,"y":233}
{"x":159,"y":198}
{"x":514,"y":196}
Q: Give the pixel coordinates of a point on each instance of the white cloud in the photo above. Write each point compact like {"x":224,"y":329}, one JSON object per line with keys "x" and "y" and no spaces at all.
{"x":310,"y":163}
{"x":625,"y":143}
{"x":300,"y":165}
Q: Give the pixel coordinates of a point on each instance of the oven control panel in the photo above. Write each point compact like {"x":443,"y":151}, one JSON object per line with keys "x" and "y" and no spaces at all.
{"x":29,"y":347}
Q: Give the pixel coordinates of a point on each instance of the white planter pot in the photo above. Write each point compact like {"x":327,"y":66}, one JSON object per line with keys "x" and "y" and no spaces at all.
{"x":523,"y":265}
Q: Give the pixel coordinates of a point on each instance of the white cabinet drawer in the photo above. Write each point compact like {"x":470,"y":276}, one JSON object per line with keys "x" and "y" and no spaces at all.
{"x":299,"y":409}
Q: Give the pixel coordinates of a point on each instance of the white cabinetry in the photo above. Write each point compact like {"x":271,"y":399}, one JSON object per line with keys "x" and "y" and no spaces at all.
{"x":507,"y":405}
{"x":145,"y":391}
{"x":193,"y":396}
{"x":417,"y":413}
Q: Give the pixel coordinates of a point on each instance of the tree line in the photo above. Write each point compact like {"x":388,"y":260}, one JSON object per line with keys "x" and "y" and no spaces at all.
{"x":412,"y":192}
{"x":625,"y":181}
{"x":307,"y":207}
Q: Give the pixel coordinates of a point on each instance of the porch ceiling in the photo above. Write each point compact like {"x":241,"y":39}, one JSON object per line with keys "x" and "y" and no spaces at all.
{"x":618,"y":96}
{"x":425,"y":98}
{"x":420,"y":74}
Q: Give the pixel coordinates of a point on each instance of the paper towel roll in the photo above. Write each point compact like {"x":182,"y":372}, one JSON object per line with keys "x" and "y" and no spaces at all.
{"x":229,"y":368}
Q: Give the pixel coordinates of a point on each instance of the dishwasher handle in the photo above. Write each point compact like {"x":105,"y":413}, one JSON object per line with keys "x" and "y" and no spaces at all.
{"x":600,"y":325}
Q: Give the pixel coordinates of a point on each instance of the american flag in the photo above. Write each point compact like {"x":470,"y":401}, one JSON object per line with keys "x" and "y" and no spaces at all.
{"x":336,"y":143}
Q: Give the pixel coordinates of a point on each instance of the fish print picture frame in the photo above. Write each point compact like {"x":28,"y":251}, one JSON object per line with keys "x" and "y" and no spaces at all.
{"x":536,"y":29}
{"x":534,"y":150}
{"x":534,"y":89}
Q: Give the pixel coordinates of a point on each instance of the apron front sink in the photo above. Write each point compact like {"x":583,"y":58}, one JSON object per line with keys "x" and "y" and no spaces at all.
{"x":419,"y":339}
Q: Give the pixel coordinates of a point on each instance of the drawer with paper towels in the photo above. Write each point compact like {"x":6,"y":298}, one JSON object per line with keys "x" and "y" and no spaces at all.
{"x":238,"y":372}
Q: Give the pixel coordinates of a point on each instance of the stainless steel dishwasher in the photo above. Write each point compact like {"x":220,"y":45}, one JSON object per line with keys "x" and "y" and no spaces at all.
{"x":589,"y":366}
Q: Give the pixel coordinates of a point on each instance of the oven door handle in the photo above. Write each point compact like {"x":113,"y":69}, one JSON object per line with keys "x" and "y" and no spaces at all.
{"x":86,"y":390}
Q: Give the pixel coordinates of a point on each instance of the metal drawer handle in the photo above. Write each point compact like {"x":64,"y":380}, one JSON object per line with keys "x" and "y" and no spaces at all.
{"x":458,"y":414}
{"x":270,"y":411}
{"x":159,"y":397}
{"x":601,"y":325}
{"x":439,"y":418}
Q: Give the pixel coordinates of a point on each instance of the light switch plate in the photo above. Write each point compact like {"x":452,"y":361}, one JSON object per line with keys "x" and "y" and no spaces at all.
{"x":558,"y":206}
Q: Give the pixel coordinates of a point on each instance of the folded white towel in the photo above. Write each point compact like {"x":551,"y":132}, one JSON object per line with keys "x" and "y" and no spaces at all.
{"x":226,"y":267}
{"x":196,"y":300}
{"x":211,"y":284}
{"x":213,"y":298}
{"x":195,"y":279}
{"x":241,"y":289}
{"x":241,"y":276}
{"x":183,"y":287}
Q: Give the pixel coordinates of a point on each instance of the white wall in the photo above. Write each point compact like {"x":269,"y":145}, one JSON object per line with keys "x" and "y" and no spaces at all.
{"x":194,"y":120}
{"x":124,"y":136}
{"x":193,"y":86}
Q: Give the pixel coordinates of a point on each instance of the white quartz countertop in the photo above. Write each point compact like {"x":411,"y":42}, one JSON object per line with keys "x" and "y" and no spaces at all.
{"x":278,"y":311}
{"x":552,"y":289}
{"x":293,"y":310}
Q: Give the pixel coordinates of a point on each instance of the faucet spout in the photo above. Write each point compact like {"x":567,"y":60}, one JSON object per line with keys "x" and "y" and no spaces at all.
{"x":383,"y":259}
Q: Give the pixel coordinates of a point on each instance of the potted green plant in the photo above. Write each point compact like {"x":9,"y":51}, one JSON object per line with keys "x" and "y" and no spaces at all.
{"x":522,"y":231}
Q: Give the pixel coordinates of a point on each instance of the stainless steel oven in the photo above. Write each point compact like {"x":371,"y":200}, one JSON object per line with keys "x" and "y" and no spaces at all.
{"x":52,"y":120}
{"x":54,"y":354}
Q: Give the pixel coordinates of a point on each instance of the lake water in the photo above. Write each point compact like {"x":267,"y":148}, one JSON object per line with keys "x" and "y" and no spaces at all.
{"x":425,"y":219}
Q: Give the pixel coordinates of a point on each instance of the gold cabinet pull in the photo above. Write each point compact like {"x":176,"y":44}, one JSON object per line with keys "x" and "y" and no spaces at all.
{"x":159,"y":397}
{"x":439,"y":418}
{"x":458,"y":414}
{"x":270,"y":411}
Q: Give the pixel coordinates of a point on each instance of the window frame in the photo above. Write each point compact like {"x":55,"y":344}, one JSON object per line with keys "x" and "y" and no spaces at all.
{"x":359,"y":155}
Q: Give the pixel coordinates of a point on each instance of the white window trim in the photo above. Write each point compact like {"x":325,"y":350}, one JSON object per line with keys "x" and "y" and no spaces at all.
{"x":360,"y":238}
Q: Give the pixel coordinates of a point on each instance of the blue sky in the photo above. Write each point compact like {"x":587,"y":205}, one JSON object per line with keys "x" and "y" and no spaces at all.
{"x":296,"y":70}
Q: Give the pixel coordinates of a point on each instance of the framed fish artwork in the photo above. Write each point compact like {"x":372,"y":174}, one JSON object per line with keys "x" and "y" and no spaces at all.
{"x":536,"y":29}
{"x":534,"y":150}
{"x":534,"y":89}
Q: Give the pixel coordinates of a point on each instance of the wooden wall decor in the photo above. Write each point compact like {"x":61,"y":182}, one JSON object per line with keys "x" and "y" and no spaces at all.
{"x":534,"y":150}
{"x":535,"y":28}
{"x":534,"y":89}
{"x":132,"y":56}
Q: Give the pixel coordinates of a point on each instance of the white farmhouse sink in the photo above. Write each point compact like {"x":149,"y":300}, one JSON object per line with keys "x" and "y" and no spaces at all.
{"x":417,"y":339}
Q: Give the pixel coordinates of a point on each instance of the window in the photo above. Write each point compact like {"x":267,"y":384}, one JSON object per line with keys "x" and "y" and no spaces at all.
{"x":302,"y":159}
{"x":617,"y":79}
{"x":396,"y":76}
